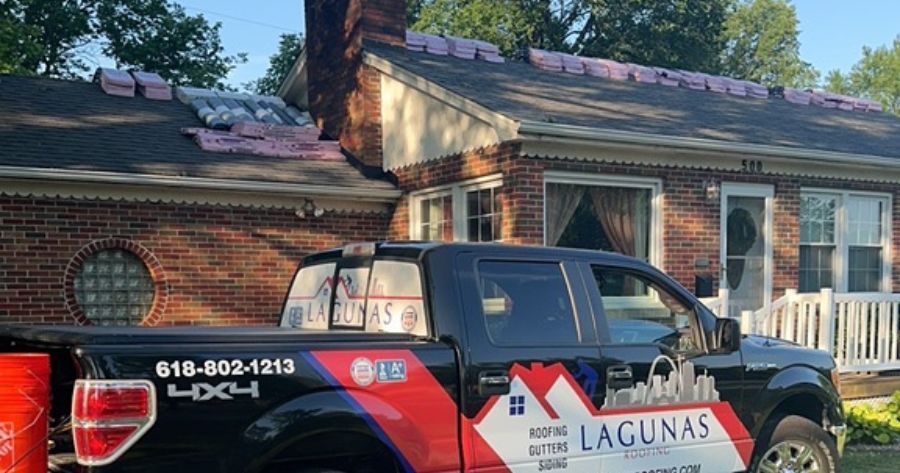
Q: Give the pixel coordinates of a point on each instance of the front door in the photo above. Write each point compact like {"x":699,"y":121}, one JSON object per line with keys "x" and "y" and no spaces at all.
{"x":746,"y":253}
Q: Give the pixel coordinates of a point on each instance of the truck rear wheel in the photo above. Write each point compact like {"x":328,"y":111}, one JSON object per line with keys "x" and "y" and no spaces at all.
{"x":795,"y":445}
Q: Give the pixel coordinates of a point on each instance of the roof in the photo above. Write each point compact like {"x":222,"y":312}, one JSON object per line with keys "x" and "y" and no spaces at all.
{"x":523,"y":93}
{"x":74,"y":126}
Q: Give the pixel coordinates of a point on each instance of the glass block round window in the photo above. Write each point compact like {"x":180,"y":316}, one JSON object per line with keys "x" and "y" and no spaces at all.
{"x":114,"y":287}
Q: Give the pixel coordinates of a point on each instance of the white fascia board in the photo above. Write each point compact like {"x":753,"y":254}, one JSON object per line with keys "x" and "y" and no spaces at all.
{"x":229,"y":185}
{"x":539,"y":131}
{"x":296,"y":73}
{"x":506,"y":128}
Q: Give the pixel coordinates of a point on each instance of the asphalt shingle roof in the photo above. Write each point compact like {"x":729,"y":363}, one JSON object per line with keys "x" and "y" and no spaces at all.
{"x":71,"y":125}
{"x":523,"y":92}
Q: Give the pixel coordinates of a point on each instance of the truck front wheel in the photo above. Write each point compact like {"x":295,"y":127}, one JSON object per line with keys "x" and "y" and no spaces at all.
{"x":796,"y":444}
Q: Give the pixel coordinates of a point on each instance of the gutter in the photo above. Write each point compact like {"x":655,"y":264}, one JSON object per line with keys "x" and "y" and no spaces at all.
{"x":541,"y":131}
{"x":197,"y":183}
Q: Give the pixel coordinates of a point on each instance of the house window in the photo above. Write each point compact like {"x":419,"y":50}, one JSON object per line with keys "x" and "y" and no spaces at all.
{"x":465,"y":211}
{"x":114,"y":287}
{"x":436,"y":218}
{"x":865,"y":243}
{"x":483,"y":216}
{"x":115,"y":281}
{"x":617,"y":214}
{"x":818,"y":241}
{"x":843,"y":241}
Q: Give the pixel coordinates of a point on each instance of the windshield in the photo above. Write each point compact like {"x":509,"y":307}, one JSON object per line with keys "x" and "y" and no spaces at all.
{"x":385,"y":296}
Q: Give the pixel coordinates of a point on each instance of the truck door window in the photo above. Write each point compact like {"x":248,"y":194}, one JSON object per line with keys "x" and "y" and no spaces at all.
{"x":384,"y":297}
{"x":526,"y":304}
{"x":639,"y":311}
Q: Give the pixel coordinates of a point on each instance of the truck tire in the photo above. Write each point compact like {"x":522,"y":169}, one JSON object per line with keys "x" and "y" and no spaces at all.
{"x":795,"y":444}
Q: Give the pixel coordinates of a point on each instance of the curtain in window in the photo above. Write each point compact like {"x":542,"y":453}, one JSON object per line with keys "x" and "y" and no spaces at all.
{"x":562,"y":202}
{"x":624,"y":215}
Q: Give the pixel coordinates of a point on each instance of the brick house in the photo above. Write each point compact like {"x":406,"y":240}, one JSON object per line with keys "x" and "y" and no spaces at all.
{"x":760,"y":195}
{"x":109,"y":215}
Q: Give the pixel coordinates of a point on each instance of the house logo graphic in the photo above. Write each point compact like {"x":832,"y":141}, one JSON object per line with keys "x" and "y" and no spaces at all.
{"x":672,"y":423}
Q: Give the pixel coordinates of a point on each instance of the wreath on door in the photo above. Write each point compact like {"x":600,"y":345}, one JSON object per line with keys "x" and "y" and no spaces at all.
{"x":742,"y":235}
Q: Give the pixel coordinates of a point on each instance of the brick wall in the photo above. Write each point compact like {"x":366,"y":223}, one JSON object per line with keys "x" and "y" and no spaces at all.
{"x":520,"y":194}
{"x":691,"y":224}
{"x":223,"y":265}
{"x":385,"y":21}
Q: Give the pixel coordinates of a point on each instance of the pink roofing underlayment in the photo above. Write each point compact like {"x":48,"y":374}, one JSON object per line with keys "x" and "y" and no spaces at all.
{"x":241,"y":123}
{"x":267,"y":140}
{"x":553,"y":61}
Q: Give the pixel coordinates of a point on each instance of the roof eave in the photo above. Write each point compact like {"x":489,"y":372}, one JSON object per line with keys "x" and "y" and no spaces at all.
{"x":296,"y":76}
{"x":541,"y":131}
{"x":181,"y":182}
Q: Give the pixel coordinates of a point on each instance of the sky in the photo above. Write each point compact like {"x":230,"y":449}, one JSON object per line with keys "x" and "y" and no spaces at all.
{"x":832,"y":32}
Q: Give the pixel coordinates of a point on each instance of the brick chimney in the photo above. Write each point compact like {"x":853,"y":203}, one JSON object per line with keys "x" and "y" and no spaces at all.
{"x":344,"y":94}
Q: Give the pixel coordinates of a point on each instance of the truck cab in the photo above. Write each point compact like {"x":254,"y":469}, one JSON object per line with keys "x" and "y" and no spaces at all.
{"x":570,"y":359}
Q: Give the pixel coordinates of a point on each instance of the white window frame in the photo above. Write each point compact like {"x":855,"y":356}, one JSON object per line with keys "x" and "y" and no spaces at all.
{"x":842,"y":250}
{"x":457,"y":191}
{"x":620,"y":181}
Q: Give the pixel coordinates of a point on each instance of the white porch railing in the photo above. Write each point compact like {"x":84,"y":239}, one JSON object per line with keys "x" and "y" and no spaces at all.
{"x":861,"y":330}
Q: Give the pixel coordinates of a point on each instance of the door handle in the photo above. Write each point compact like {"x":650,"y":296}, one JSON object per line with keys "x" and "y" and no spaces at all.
{"x":493,"y":383}
{"x":619,"y":377}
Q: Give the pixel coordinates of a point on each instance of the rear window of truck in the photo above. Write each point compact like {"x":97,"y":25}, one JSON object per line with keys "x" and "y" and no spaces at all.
{"x":381,"y":296}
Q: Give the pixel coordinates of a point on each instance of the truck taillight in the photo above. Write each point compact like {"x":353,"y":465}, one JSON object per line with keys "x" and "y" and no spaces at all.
{"x":108,"y":417}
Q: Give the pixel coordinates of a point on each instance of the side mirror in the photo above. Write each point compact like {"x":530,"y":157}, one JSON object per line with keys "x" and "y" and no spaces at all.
{"x":727,"y":337}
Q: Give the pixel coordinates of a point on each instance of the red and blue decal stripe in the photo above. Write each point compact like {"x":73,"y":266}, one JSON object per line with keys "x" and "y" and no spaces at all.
{"x":416,"y":418}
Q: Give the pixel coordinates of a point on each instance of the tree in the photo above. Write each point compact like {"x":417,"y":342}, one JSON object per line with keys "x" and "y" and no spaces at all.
{"x":672,"y":33}
{"x":153,"y":35}
{"x":17,"y":44}
{"x":510,"y":24}
{"x":837,"y":82}
{"x":52,"y":33}
{"x":876,"y":76}
{"x":685,"y":34}
{"x":761,"y":45}
{"x":280,"y":64}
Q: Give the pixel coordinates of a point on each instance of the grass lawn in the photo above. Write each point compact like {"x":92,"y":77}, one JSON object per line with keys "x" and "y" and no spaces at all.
{"x":856,"y":461}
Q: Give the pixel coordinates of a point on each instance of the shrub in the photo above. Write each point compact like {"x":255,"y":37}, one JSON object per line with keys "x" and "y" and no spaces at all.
{"x":879,"y":424}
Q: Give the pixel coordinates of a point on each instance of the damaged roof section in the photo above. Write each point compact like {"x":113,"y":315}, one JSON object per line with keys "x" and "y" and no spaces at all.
{"x":75,"y":127}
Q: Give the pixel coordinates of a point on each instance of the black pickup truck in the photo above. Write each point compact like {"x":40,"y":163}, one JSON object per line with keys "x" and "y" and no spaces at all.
{"x":422,"y":357}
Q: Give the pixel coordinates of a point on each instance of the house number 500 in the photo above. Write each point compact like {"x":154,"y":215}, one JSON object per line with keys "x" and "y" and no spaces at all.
{"x":752,"y":166}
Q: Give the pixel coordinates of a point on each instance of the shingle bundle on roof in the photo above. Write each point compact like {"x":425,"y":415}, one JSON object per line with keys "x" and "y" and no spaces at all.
{"x":643,"y":74}
{"x":254,"y":124}
{"x":488,"y":52}
{"x":221,"y":110}
{"x":115,"y":82}
{"x":462,"y":48}
{"x":545,"y":60}
{"x":152,"y":86}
